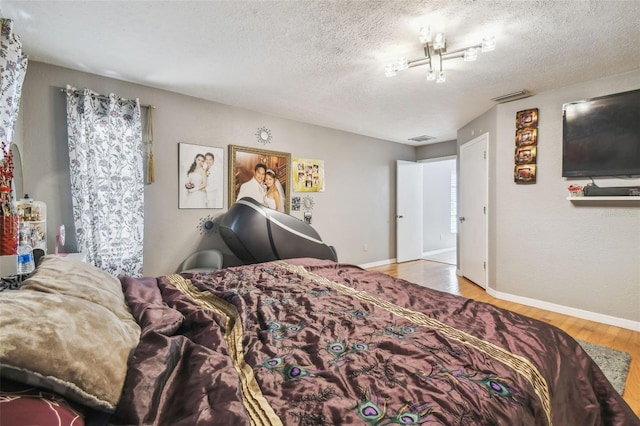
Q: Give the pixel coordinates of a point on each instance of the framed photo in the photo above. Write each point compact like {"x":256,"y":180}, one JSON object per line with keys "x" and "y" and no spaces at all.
{"x":260,"y":174}
{"x":527,"y":118}
{"x":524,"y":173}
{"x":525,"y":154}
{"x":308,"y":175}
{"x":527,"y":136}
{"x":200,"y":176}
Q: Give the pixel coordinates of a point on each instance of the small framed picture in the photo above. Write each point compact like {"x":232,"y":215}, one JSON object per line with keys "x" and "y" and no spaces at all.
{"x":525,"y":154}
{"x":527,"y":118}
{"x":527,"y":136}
{"x":524,"y":173}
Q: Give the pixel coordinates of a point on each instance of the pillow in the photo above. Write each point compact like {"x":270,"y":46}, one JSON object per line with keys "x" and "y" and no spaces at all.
{"x":72,"y":277}
{"x":24,"y":405}
{"x":68,"y":330}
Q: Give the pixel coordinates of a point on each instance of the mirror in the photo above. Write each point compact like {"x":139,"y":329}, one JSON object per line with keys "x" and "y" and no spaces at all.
{"x":17,"y":172}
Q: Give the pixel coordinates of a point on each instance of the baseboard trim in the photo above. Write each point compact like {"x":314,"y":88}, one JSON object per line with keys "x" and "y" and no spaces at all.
{"x":378,"y":263}
{"x":567,"y":310}
{"x":432,"y":252}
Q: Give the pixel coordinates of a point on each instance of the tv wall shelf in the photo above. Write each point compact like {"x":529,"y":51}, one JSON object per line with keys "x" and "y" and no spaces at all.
{"x":609,"y":198}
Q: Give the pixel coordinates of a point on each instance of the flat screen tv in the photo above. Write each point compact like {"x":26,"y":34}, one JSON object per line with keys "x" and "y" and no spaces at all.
{"x":601,"y":136}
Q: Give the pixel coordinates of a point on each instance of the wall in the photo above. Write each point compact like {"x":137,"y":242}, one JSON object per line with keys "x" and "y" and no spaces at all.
{"x":436,"y":199}
{"x":354,"y":210}
{"x":544,"y":247}
{"x":437,"y":150}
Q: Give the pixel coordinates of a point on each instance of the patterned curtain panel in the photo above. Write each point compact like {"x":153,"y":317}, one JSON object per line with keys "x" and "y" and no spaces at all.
{"x":107,"y":179}
{"x":13,"y":67}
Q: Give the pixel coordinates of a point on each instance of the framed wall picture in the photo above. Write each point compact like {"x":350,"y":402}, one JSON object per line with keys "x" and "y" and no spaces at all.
{"x":525,"y":154}
{"x":527,"y":118}
{"x":260,"y":174}
{"x":200,"y":176}
{"x":308,"y":175}
{"x":524,"y":173}
{"x":527,"y":136}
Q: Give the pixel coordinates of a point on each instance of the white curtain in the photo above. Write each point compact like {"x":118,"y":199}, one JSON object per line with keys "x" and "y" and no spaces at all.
{"x":107,"y":179}
{"x":13,"y":67}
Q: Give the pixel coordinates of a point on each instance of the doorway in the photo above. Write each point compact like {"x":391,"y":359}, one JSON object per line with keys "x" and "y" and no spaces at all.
{"x":440,"y":210}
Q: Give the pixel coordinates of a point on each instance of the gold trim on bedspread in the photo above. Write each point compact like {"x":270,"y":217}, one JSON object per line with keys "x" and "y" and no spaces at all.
{"x":518,"y":363}
{"x":259,"y":410}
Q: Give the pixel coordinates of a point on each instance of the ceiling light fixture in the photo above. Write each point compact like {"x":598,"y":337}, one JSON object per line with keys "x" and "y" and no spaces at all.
{"x":435,"y":50}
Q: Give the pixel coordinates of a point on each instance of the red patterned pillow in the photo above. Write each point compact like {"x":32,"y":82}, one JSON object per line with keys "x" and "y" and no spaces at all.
{"x":26,"y":405}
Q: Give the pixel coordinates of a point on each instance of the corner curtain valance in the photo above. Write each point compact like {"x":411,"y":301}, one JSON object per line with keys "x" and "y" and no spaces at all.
{"x":13,"y":67}
{"x":106,"y":162}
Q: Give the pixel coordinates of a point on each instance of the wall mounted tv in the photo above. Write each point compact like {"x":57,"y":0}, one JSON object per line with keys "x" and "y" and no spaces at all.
{"x":601,"y":136}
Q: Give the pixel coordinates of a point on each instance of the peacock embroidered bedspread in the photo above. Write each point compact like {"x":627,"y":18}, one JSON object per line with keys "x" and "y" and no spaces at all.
{"x":314,"y":342}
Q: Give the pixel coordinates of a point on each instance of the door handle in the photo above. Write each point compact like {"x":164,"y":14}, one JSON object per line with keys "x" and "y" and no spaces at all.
{"x":400,"y":217}
{"x":462,"y":219}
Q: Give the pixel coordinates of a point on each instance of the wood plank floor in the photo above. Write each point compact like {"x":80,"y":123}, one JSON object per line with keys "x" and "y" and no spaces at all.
{"x":443,"y":277}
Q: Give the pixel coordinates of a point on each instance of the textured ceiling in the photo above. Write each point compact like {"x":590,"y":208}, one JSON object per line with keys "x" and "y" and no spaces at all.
{"x":322,"y":62}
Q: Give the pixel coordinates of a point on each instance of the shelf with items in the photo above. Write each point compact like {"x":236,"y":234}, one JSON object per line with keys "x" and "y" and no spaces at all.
{"x":34,"y":213}
{"x":607,"y":198}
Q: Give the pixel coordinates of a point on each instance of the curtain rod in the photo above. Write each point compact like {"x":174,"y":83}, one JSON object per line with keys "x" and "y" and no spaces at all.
{"x":78,"y":91}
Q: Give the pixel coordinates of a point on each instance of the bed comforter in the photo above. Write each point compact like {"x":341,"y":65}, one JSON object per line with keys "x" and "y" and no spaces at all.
{"x":319,"y":343}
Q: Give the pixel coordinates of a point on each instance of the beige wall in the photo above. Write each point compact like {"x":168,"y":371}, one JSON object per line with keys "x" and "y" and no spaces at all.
{"x":544,"y":247}
{"x":353,"y":211}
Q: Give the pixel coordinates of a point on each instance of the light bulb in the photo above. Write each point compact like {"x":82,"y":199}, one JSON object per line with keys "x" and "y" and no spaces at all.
{"x":441,"y":77}
{"x":471,"y":54}
{"x":431,"y":75}
{"x":488,"y":44}
{"x":390,"y":70}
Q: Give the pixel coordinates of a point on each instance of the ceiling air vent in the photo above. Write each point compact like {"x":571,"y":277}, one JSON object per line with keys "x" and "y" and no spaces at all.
{"x":423,"y":138}
{"x":520,"y":94}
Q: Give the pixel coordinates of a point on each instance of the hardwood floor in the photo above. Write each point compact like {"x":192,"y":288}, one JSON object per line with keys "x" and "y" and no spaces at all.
{"x":443,"y":277}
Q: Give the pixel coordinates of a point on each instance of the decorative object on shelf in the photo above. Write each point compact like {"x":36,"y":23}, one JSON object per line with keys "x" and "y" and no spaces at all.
{"x":200,"y":176}
{"x":34,"y":214}
{"x":308,"y":175}
{"x":264,"y":135}
{"x":60,"y":239}
{"x":576,"y":190}
{"x":207,"y":225}
{"x":435,"y":50}
{"x":295,"y":204}
{"x":307,"y":203}
{"x":245,"y":180}
{"x":526,"y":146}
{"x":8,"y":216}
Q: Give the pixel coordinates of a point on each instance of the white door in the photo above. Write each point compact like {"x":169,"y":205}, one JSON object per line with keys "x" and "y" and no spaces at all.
{"x":472,"y":212}
{"x":408,"y":211}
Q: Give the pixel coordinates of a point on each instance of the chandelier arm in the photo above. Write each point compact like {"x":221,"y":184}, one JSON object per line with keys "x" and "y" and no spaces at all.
{"x":457,"y":52}
{"x":419,"y":62}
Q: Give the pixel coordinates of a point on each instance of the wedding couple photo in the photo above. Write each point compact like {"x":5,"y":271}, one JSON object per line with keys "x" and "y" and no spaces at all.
{"x":200,"y":174}
{"x":261,"y":175}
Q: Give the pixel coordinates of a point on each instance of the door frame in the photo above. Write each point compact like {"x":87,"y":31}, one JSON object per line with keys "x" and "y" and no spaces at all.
{"x":459,"y":269}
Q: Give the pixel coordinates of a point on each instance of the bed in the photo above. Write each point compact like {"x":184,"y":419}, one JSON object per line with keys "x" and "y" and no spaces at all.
{"x":294,"y":342}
